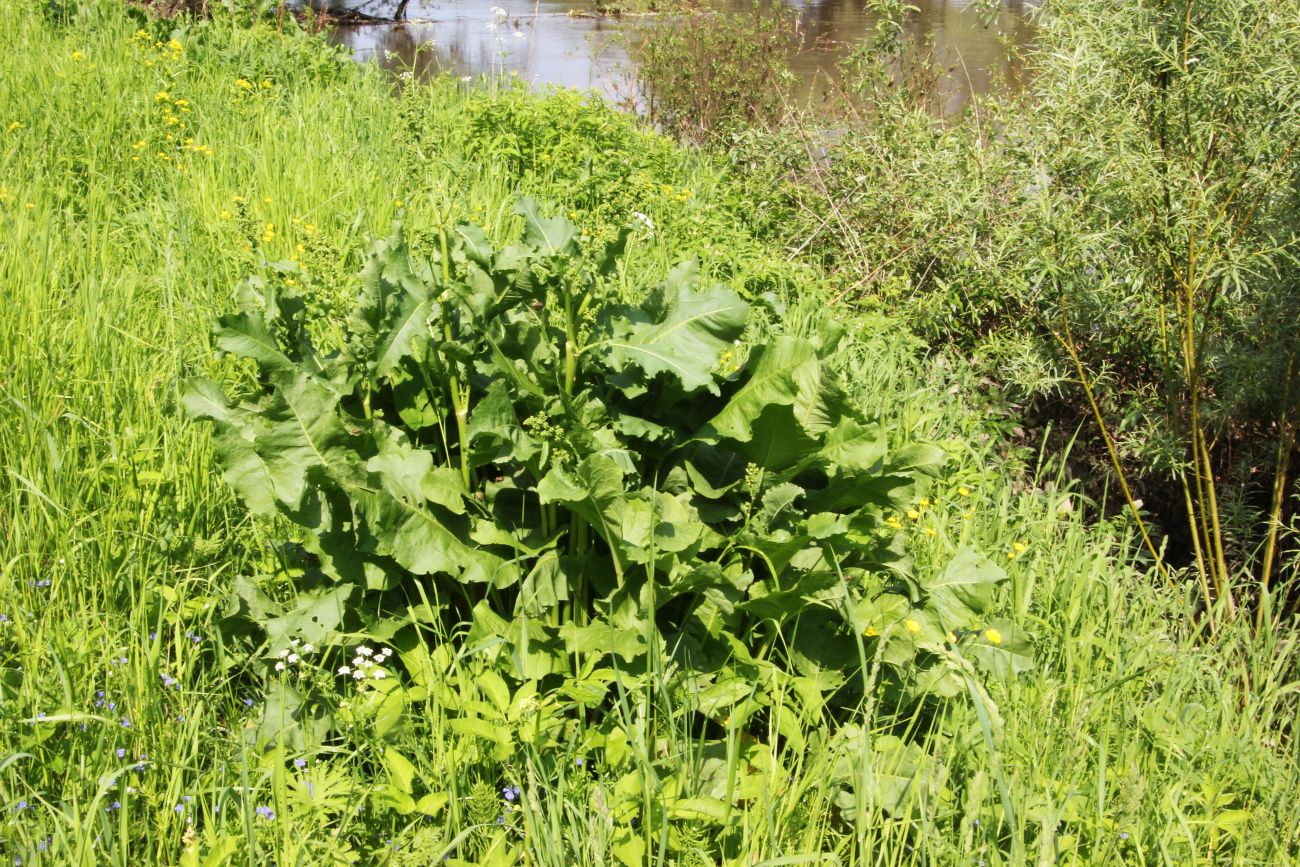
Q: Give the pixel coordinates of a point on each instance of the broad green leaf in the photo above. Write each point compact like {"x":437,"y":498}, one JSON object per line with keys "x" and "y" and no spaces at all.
{"x":312,"y":620}
{"x":401,"y":467}
{"x":851,"y":445}
{"x":963,"y":590}
{"x":400,"y":770}
{"x":686,"y":339}
{"x":249,"y":336}
{"x":234,"y":442}
{"x":709,"y":810}
{"x":548,"y":236}
{"x":300,"y":435}
{"x":1002,"y":649}
{"x":405,"y":336}
{"x":627,"y":846}
{"x":494,"y":687}
{"x":787,"y":373}
{"x":779,"y":500}
{"x":603,"y":638}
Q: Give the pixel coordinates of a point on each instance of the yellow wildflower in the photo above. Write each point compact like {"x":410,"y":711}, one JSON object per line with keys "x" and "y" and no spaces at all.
{"x":268,"y":234}
{"x":870,"y":632}
{"x":77,"y":56}
{"x":993,"y":636}
{"x":1020,"y":547}
{"x":244,"y":84}
{"x":175,"y":46}
{"x":913,"y":514}
{"x":963,"y":491}
{"x":929,"y":531}
{"x":397,"y":202}
{"x":310,"y":229}
{"x":138,"y":146}
{"x":951,"y":637}
{"x":226,"y":215}
{"x":912,"y":625}
{"x":16,"y":125}
{"x":925,"y":501}
{"x":289,"y":281}
{"x":266,"y":84}
{"x":300,"y":248}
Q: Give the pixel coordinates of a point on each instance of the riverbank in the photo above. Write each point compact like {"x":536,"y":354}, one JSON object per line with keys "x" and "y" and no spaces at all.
{"x":152,"y":168}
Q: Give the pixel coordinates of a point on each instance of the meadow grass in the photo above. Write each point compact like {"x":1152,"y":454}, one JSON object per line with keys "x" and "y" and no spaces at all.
{"x":144,"y":172}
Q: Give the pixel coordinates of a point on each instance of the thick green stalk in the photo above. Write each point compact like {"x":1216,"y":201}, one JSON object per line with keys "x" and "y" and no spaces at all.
{"x":459,"y":395}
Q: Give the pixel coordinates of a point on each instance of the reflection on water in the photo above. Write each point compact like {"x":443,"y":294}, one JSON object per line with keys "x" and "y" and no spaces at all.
{"x":563,"y":42}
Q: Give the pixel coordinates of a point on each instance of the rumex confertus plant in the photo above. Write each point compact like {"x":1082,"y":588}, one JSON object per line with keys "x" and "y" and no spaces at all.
{"x":607,"y":489}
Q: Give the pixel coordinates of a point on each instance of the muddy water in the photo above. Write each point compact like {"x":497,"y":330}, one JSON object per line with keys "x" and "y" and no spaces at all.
{"x":563,"y":42}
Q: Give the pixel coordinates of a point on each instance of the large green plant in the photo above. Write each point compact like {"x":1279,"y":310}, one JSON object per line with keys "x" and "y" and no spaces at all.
{"x":601,"y":490}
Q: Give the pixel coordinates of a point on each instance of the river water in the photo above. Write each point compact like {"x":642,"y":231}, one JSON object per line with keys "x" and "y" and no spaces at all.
{"x":564,"y":42}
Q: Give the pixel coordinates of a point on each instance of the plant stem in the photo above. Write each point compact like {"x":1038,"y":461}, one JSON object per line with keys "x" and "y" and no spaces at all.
{"x":459,"y":395}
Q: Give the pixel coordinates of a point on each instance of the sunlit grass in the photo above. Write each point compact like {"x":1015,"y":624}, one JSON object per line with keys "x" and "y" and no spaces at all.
{"x":127,"y":722}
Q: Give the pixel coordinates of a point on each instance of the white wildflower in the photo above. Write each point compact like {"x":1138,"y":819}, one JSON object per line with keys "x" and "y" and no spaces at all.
{"x":345,"y":669}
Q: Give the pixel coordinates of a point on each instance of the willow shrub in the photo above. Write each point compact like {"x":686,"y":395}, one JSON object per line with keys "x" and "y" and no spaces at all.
{"x":1134,"y":212}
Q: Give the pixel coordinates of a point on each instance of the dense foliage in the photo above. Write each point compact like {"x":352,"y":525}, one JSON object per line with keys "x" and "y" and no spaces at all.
{"x":1117,"y":245}
{"x":190,"y":677}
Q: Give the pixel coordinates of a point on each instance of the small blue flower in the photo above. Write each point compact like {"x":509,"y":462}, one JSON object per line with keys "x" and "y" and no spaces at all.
{"x":121,"y":753}
{"x":1124,"y":835}
{"x":300,"y":763}
{"x":126,"y":723}
{"x":266,"y":813}
{"x":578,"y":762}
{"x":21,"y":805}
{"x":153,"y":635}
{"x":179,"y":808}
{"x":510,"y":793}
{"x":248,"y":702}
{"x":116,"y":805}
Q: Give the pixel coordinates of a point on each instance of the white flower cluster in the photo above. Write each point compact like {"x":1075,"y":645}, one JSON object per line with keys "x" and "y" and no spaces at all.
{"x":367,"y":663}
{"x":292,"y":654}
